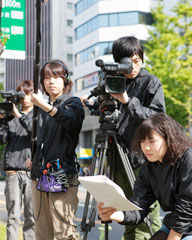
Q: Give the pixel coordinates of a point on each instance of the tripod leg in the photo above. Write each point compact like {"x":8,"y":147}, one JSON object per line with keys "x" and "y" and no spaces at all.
{"x":100,"y":149}
{"x":84,"y":226}
{"x":106,"y":230}
{"x":126,"y":163}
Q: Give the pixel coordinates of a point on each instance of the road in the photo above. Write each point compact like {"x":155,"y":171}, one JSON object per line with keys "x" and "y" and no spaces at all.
{"x":114,"y":234}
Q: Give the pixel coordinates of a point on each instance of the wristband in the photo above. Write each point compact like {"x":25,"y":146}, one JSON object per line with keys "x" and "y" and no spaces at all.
{"x":51,"y":110}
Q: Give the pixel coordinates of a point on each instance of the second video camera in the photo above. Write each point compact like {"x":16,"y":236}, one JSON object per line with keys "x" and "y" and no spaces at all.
{"x":11,"y":97}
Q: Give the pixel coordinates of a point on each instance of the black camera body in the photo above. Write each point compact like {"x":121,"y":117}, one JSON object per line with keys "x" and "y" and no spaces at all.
{"x":111,"y":80}
{"x":10,"y":97}
{"x":111,"y":75}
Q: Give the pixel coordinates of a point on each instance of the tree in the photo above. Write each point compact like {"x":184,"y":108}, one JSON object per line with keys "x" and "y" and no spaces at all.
{"x":169,"y":57}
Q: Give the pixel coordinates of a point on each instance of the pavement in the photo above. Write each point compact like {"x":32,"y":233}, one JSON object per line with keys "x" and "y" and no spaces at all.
{"x":115,"y":230}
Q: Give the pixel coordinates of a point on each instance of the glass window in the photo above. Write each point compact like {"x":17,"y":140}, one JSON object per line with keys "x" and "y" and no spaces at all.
{"x":69,"y":39}
{"x":89,"y":27}
{"x":79,"y":32}
{"x":142,"y":18}
{"x":113,"y":19}
{"x":77,"y":59}
{"x":82,"y":5}
{"x":149,"y":19}
{"x":93,"y":52}
{"x":69,"y":22}
{"x":80,"y":57}
{"x":103,"y":48}
{"x":145,"y":18}
{"x":103,"y":20}
{"x":128,"y":18}
{"x":79,"y":84}
{"x":95,"y":23}
{"x":69,"y":5}
{"x":69,"y":57}
{"x":79,"y":7}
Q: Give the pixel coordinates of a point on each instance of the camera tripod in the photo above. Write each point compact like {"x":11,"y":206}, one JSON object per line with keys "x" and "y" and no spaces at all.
{"x":106,"y":145}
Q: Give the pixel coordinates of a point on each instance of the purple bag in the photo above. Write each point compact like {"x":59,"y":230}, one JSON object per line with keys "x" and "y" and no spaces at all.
{"x":48,"y":183}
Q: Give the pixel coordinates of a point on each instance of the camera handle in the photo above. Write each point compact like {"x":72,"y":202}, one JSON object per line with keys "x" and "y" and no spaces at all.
{"x":102,"y":149}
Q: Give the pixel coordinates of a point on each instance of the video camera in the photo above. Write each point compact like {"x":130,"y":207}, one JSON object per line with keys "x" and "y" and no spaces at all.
{"x":111,"y":79}
{"x":11,"y":97}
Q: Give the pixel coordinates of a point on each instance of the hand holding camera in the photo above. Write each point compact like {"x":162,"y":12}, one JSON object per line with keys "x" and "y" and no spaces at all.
{"x":121,"y":97}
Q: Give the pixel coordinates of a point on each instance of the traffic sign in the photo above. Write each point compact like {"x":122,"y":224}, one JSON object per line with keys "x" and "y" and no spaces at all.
{"x":13,"y":27}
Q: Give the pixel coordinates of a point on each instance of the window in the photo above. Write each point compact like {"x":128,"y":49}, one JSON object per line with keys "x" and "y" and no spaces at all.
{"x":82,"y":5}
{"x":69,"y":22}
{"x":128,"y":18}
{"x":103,"y":20}
{"x":113,"y":19}
{"x":69,"y":5}
{"x":69,"y":40}
{"x":99,"y":49}
{"x":69,"y":57}
{"x":145,"y":18}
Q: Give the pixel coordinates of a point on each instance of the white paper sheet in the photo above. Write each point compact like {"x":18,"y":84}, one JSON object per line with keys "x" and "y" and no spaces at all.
{"x":105,"y":190}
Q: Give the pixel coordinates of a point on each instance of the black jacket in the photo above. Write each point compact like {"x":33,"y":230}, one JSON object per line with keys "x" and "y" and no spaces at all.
{"x":59,"y":134}
{"x":146,"y":98}
{"x":171,"y":186}
{"x":16,"y":133}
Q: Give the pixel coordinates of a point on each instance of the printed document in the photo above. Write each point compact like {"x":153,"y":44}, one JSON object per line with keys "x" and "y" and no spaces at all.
{"x":106,"y":191}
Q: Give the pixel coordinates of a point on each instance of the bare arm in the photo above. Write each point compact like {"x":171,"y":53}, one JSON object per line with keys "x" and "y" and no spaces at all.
{"x":174,"y":235}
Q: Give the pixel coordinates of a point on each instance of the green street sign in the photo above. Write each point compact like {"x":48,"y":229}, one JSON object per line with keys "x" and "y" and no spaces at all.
{"x":13,"y":27}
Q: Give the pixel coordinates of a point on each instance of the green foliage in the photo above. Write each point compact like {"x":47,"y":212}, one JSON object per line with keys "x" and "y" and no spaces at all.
{"x":169,"y":57}
{"x":4,"y":40}
{"x":3,"y":232}
{"x":102,"y":231}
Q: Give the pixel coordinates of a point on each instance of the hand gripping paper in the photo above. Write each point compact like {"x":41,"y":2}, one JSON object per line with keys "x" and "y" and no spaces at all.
{"x":105,"y":190}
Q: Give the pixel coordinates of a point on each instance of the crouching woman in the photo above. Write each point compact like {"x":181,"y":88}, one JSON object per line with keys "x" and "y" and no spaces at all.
{"x":166,"y":176}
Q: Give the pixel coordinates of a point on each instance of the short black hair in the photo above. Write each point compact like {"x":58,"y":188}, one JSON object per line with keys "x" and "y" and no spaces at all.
{"x":56,"y":68}
{"x":176,"y":140}
{"x":127,"y":47}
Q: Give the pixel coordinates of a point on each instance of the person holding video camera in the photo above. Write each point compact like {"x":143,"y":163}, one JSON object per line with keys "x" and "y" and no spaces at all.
{"x":143,"y":97}
{"x":164,"y":176}
{"x":14,"y":131}
{"x":59,"y":125}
